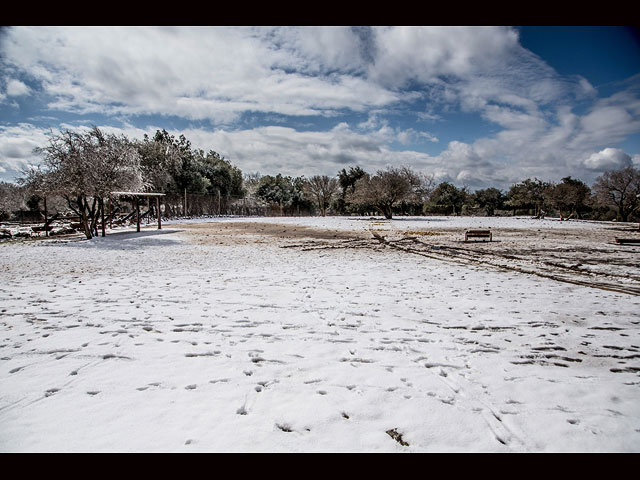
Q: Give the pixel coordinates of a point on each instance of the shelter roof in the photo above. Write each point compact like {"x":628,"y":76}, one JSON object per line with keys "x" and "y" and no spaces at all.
{"x":137,"y":194}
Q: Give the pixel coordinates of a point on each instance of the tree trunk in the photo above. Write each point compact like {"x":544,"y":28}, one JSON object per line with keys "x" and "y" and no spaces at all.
{"x":46,"y":219}
{"x":104,"y":234}
{"x":82,"y":203}
{"x":93,"y":216}
{"x":622,"y":214}
{"x":387,"y":211}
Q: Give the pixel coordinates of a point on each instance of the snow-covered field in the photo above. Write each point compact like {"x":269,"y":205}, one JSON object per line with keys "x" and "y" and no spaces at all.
{"x":309,"y":334}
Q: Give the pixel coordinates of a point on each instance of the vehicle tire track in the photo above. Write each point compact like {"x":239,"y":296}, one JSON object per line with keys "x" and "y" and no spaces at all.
{"x":462,"y":257}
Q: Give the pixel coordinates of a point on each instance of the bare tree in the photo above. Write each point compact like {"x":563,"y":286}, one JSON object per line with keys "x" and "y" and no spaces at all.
{"x":321,"y":189}
{"x":388,"y":188}
{"x":84,"y":167}
{"x":619,"y":189}
{"x":569,"y":197}
{"x":11,"y":199}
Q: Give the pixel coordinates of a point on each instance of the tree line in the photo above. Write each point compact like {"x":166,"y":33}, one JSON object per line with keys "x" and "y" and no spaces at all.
{"x":80,"y":169}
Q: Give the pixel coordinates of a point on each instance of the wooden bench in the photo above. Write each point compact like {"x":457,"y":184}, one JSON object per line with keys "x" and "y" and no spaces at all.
{"x":477,"y":234}
{"x":42,"y":228}
{"x":629,"y":241}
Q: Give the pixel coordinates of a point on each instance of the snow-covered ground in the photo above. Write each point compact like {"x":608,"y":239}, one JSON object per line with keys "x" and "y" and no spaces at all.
{"x":198,"y":338}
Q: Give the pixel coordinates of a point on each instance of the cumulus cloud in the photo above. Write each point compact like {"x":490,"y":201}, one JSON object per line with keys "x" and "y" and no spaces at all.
{"x":426,"y":54}
{"x":197,"y":73}
{"x":16,"y":148}
{"x":380,"y":128}
{"x":322,"y":49}
{"x":610,"y":120}
{"x":463,"y":164}
{"x":608,"y":159}
{"x":16,"y":88}
{"x":219,"y":73}
{"x":276,"y":149}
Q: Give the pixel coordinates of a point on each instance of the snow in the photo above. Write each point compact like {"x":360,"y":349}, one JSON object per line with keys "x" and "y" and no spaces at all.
{"x":190,"y":339}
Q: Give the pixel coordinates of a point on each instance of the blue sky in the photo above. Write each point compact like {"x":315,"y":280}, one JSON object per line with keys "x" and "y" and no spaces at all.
{"x":476,"y":106}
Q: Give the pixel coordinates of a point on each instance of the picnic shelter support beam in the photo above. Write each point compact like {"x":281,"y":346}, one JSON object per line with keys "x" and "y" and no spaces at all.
{"x":137,"y":214}
{"x":158,"y":213}
{"x":134,"y":197}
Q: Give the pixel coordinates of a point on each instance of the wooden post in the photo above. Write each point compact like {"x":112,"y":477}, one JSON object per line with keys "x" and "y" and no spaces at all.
{"x":110,"y":214}
{"x":46,"y":219}
{"x":138,"y":213}
{"x":158,"y":212}
{"x":185,"y":202}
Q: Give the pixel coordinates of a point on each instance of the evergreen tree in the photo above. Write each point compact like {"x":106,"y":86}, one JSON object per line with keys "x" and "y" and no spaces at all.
{"x":569,"y":198}
{"x":528,"y":194}
{"x":491,"y":199}
{"x":448,"y":195}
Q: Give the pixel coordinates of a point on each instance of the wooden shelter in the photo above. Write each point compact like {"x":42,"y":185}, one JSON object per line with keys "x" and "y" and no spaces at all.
{"x":135,"y":197}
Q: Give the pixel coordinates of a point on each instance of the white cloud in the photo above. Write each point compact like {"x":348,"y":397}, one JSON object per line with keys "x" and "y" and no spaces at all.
{"x":16,"y":88}
{"x":463,"y":164}
{"x":219,"y":73}
{"x":380,"y":128}
{"x":275,"y":149}
{"x":16,"y":148}
{"x":411,"y":135}
{"x":608,"y":159}
{"x":425,"y":54}
{"x":317,"y":50}
{"x":197,"y":73}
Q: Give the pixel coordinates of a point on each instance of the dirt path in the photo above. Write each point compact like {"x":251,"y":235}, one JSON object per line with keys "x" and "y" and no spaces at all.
{"x":226,"y":233}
